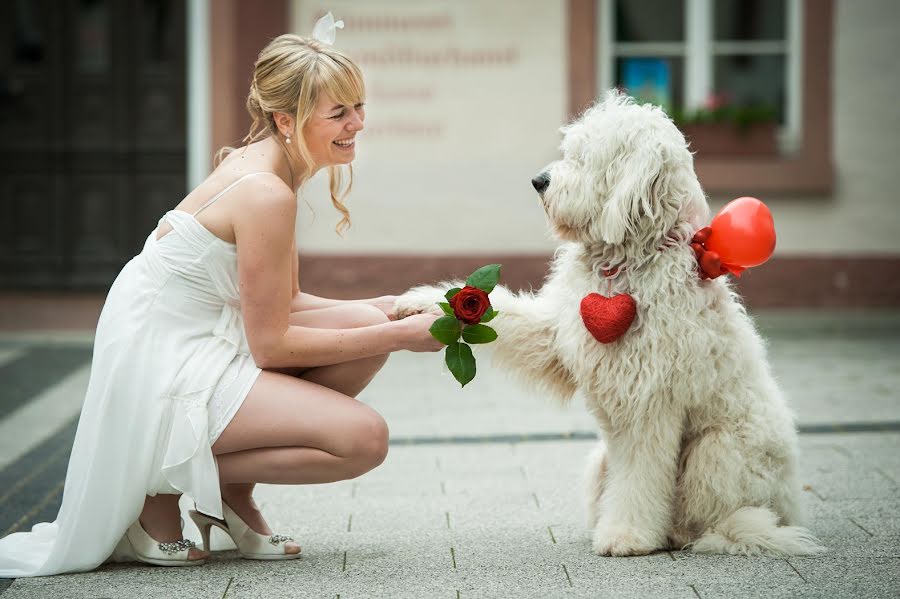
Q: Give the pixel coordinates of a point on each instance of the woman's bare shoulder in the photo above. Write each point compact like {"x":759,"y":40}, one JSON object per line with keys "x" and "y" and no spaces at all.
{"x":266,"y":191}
{"x":266,"y":202}
{"x":264,"y":184}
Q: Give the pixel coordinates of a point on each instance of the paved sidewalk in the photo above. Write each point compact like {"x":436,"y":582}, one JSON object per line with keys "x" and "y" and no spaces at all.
{"x":480,"y":495}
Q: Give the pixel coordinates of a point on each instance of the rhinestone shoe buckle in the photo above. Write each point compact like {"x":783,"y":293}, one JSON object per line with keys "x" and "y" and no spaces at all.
{"x":176,"y":546}
{"x":275,"y":539}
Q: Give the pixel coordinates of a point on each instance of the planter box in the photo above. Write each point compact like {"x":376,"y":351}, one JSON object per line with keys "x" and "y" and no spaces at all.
{"x":725,"y":139}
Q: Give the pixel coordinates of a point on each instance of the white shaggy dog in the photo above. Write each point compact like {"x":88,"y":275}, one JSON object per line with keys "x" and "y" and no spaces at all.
{"x":698,"y":447}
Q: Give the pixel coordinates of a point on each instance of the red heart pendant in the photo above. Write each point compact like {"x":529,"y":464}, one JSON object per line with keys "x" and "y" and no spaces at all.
{"x":607,"y":318}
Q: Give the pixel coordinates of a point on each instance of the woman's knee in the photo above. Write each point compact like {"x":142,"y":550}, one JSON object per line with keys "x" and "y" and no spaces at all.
{"x":369,"y":446}
{"x":365,"y":315}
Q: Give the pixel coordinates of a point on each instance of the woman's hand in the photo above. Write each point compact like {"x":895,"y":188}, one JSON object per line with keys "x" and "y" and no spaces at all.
{"x":385,"y":303}
{"x":415,"y":335}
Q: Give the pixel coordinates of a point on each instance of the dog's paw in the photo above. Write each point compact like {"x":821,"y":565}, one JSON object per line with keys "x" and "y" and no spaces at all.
{"x":419,"y":300}
{"x":619,"y":541}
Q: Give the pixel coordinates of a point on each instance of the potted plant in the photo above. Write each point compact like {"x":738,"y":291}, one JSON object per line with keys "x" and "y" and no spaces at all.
{"x":721,"y":128}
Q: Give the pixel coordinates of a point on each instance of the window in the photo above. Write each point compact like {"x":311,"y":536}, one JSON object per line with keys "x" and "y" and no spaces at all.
{"x":692,"y":54}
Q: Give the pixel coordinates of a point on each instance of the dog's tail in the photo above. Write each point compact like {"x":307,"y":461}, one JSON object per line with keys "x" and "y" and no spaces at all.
{"x":755,"y":531}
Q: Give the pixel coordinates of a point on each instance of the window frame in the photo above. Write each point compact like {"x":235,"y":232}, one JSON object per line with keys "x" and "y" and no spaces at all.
{"x":699,"y":50}
{"x":808,"y":171}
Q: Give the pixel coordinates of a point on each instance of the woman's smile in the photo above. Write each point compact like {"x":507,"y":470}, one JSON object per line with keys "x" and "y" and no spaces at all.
{"x":345,"y":144}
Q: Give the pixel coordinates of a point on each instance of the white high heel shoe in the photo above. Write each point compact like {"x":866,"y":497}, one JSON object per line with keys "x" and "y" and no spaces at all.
{"x":250,"y":544}
{"x":136,"y":544}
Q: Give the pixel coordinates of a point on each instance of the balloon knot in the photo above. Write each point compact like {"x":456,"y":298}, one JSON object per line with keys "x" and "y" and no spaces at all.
{"x":709,"y":263}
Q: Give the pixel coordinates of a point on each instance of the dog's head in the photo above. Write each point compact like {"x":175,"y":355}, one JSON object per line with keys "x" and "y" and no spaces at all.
{"x":626,"y":178}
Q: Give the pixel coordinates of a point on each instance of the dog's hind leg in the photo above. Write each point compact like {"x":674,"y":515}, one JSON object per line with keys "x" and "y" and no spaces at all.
{"x":595,"y":482}
{"x":714,"y":481}
{"x":735,"y":494}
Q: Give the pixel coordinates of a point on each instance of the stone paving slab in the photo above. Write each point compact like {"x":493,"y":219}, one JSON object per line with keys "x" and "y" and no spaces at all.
{"x":453,"y":518}
{"x":491,"y":539}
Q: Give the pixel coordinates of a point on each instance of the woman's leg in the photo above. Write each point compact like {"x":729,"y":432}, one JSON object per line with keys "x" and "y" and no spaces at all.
{"x":348,"y":378}
{"x":292,"y":431}
{"x":160,"y":519}
{"x":160,"y":514}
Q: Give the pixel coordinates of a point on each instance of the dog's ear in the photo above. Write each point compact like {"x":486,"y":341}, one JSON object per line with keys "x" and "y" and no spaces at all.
{"x":632,"y":180}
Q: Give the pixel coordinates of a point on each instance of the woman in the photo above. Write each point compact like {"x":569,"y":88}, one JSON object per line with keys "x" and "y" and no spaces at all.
{"x":211,"y":370}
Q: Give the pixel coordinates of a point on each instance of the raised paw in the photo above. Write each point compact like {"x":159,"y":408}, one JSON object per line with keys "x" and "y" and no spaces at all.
{"x":419,"y":300}
{"x":620,"y":541}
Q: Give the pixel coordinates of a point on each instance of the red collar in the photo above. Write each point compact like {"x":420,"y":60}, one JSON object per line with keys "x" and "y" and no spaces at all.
{"x":709,"y":264}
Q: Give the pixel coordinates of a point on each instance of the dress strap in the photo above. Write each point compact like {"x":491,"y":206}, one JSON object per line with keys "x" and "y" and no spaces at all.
{"x":227,"y":189}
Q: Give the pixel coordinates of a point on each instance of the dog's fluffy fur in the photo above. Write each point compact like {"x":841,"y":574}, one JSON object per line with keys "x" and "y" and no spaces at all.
{"x":698,"y":446}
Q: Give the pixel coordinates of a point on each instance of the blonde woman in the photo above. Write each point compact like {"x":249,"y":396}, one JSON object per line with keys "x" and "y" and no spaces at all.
{"x":212,"y":371}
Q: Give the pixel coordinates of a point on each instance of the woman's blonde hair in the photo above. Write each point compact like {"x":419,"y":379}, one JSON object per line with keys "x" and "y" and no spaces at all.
{"x":289,"y":76}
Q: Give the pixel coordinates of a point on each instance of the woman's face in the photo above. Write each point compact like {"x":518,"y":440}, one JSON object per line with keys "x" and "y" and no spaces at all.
{"x":331,"y":132}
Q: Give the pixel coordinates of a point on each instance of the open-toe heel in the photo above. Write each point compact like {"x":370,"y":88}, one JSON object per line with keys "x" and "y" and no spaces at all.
{"x":137,"y":545}
{"x":204,"y":524}
{"x":250,"y":544}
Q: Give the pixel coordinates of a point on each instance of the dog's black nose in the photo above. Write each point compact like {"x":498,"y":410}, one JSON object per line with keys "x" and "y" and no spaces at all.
{"x":541,"y":182}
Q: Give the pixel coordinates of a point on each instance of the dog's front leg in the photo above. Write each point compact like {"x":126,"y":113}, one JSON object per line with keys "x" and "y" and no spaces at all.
{"x":526,"y":342}
{"x":636,"y":505}
{"x":526,"y":334}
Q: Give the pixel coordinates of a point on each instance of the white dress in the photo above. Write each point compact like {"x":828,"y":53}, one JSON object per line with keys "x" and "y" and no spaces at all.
{"x":170,"y":368}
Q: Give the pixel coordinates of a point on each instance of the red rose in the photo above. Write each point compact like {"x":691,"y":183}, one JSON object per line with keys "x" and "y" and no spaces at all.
{"x":470,"y":304}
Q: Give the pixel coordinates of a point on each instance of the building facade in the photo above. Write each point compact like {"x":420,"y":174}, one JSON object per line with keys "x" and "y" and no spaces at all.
{"x":790,"y":101}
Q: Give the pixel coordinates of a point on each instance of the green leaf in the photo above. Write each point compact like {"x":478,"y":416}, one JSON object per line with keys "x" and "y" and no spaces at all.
{"x":461,"y":362}
{"x":489,"y":315}
{"x":485,"y":278}
{"x":449,"y":295}
{"x":445,"y":329}
{"x":478,"y":333}
{"x":448,"y":310}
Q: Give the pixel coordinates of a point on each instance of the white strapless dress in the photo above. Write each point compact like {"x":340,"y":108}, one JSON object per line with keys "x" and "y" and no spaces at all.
{"x":170,"y":368}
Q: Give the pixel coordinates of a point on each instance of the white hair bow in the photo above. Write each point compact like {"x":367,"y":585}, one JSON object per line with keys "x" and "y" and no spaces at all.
{"x":324,"y":29}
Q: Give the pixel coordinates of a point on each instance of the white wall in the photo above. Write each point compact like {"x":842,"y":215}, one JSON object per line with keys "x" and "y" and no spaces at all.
{"x":465,"y":184}
{"x":467,"y":188}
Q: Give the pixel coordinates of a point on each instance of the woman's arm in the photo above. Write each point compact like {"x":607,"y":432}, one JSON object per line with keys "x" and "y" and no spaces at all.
{"x":265,"y":239}
{"x":306,"y":301}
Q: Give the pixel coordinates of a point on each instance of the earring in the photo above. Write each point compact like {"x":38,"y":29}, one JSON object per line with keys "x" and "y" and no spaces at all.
{"x":287,"y":140}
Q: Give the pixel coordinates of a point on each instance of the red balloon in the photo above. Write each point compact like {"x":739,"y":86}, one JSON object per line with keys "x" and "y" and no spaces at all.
{"x":743,"y":234}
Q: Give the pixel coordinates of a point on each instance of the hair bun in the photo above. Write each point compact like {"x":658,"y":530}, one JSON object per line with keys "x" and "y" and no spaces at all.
{"x":253,"y":100}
